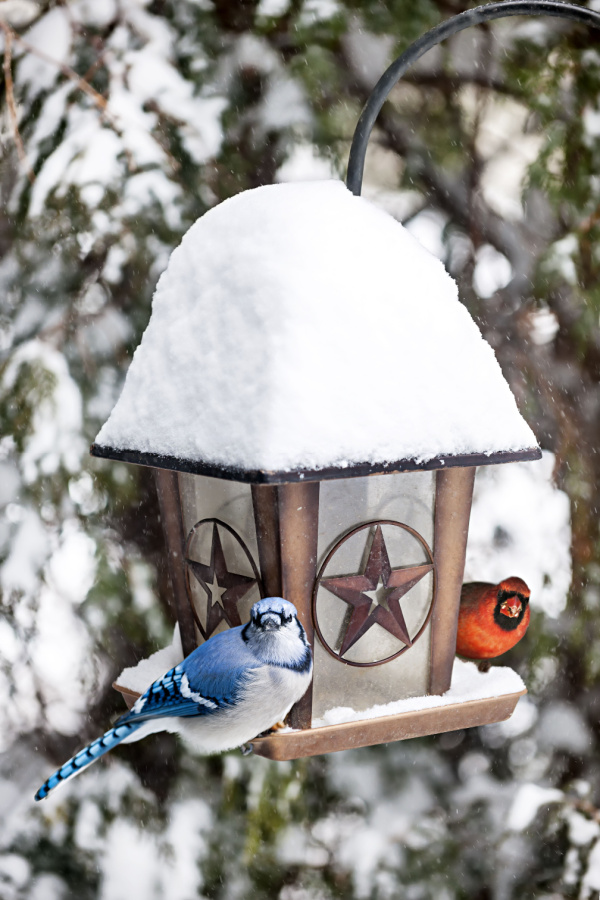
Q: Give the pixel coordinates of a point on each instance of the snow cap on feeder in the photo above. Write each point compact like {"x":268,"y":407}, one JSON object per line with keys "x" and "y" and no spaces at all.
{"x":298,"y":328}
{"x":301,"y":342}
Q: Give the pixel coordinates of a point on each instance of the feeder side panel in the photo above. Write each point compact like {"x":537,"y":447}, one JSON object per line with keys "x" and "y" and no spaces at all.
{"x":220,"y":552}
{"x":346,"y":505}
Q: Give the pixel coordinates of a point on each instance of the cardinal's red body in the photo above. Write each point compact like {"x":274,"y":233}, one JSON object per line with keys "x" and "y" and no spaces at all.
{"x":492,"y":617}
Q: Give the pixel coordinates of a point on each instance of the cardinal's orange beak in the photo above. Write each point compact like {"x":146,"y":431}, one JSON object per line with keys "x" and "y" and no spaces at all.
{"x":511,"y":607}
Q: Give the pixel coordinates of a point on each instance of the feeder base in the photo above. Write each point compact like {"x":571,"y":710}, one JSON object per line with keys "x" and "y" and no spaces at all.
{"x":350,"y":735}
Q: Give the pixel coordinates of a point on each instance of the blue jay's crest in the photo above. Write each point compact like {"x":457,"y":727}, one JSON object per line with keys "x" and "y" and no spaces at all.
{"x":230,"y":689}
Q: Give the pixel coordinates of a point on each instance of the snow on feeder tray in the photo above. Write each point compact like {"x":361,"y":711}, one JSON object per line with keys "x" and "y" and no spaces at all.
{"x":314,"y":399}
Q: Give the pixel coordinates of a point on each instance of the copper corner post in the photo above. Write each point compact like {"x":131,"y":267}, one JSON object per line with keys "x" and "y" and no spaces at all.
{"x":265,"y":502}
{"x":287,"y":529}
{"x":454,"y":492}
{"x":167,"y":488}
{"x":299,"y":532}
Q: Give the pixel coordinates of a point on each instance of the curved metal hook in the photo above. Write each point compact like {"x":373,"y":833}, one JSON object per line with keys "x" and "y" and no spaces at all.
{"x":394,"y":73}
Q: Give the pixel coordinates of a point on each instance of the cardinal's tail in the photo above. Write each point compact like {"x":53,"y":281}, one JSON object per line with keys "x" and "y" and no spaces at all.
{"x":88,"y":755}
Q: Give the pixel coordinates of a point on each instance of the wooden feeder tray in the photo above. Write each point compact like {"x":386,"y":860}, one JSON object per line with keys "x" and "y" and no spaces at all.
{"x":295,"y":744}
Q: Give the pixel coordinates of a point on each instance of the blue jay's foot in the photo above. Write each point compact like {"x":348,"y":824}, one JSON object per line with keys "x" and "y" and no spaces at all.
{"x":246,"y":749}
{"x":273,"y":729}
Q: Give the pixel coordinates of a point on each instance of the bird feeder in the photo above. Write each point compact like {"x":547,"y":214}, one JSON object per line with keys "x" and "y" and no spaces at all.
{"x":315,"y":400}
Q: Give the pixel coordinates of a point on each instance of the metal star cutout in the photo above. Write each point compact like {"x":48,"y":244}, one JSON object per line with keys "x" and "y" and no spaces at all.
{"x":224,"y":589}
{"x":375,"y":594}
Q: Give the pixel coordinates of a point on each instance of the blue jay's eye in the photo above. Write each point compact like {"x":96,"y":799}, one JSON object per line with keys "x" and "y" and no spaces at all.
{"x":270,"y":619}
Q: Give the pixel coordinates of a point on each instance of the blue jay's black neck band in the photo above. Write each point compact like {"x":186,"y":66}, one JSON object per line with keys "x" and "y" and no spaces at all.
{"x":300,"y":666}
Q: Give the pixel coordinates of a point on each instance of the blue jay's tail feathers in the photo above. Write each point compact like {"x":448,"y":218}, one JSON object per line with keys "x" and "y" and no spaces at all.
{"x":88,"y":755}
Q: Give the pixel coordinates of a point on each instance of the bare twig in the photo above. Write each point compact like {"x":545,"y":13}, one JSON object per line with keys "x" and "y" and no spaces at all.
{"x":451,"y":82}
{"x":10,"y":101}
{"x":95,"y":66}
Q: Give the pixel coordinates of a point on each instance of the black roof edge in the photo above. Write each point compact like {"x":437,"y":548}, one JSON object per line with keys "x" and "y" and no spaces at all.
{"x":258,"y":476}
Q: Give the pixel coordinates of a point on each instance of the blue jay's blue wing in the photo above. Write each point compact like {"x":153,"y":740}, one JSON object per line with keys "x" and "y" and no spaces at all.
{"x":211,"y":678}
{"x":220,"y":667}
{"x":170,"y":696}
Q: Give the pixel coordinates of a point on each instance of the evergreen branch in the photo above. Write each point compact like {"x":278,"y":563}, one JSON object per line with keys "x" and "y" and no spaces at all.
{"x":459,"y":195}
{"x":82,"y":83}
{"x":586,"y":225}
{"x":10,"y":36}
{"x":70,"y":73}
{"x":10,"y":101}
{"x":454,"y":194}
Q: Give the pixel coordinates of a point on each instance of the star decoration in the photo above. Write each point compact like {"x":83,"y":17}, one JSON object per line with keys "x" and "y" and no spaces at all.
{"x":375,"y":595}
{"x":224,"y":589}
{"x":216,"y":591}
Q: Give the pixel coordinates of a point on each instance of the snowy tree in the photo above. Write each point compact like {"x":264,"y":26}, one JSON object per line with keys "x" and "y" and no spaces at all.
{"x":122,"y":122}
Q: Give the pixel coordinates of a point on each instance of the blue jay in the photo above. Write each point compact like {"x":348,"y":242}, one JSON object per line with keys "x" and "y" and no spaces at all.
{"x":230,"y":689}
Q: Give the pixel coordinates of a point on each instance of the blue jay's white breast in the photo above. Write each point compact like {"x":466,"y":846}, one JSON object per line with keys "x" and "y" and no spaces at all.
{"x":268,"y":697}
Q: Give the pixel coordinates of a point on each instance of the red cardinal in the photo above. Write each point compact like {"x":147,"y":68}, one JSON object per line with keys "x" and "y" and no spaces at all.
{"x":492,"y":617}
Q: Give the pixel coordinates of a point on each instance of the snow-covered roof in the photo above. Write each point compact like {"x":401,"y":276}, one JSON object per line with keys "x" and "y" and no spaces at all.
{"x":298,"y":327}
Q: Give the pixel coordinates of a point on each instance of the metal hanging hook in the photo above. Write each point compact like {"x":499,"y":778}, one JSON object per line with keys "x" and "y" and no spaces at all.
{"x":394,"y":73}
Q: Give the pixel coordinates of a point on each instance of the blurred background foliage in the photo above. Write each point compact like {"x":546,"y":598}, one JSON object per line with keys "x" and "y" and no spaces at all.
{"x":121,"y":122}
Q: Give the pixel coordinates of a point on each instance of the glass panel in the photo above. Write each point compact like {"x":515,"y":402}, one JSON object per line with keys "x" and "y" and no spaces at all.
{"x":345,"y":504}
{"x":220,"y":575}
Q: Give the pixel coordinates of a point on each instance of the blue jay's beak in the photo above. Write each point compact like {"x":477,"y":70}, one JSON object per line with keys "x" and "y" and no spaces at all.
{"x":269,"y":621}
